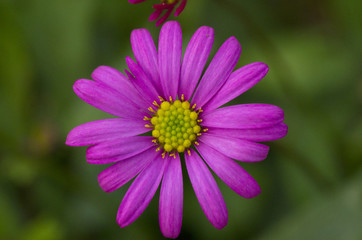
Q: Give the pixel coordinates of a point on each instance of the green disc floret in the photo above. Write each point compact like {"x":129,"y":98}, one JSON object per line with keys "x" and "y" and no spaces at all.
{"x":175,"y":126}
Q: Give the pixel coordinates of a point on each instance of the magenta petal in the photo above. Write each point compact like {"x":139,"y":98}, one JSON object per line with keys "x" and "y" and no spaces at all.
{"x":118,"y":149}
{"x":119,"y":82}
{"x":121,"y":172}
{"x":145,"y":52}
{"x":106,"y":99}
{"x":218,"y":71}
{"x":156,"y":14}
{"x":239,"y":82}
{"x":195,"y":59}
{"x":206,"y":190}
{"x":244,"y":116}
{"x":105,"y":130}
{"x":253,"y":134}
{"x":141,"y":192}
{"x":230,"y":172}
{"x":235,"y":148}
{"x":165,"y":16}
{"x":169,"y":58}
{"x":141,"y":82}
{"x":171,"y":197}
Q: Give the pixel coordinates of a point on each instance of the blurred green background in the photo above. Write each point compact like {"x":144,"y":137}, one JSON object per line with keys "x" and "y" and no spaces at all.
{"x":311,"y":181}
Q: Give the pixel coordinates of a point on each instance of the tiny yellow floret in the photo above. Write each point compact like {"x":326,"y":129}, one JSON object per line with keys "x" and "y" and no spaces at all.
{"x":165,"y":106}
{"x":197,"y":129}
{"x":154,"y":120}
{"x":180,"y":148}
{"x":187,"y":143}
{"x":155,"y":133}
{"x":192,"y":137}
{"x":167,"y":147}
{"x":193,"y":115}
{"x":177,"y":104}
{"x":186,"y":105}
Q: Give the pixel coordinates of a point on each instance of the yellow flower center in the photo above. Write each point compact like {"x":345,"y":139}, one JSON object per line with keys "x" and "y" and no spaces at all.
{"x":175,"y":125}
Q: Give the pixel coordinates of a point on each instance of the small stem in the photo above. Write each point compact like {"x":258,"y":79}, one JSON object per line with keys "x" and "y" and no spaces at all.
{"x":322,"y":182}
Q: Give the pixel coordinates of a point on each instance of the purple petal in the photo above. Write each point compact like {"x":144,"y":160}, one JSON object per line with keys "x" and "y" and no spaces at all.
{"x":239,"y":82}
{"x":230,"y":172}
{"x":171,"y":197}
{"x":105,"y":130}
{"x":206,"y":190}
{"x":141,"y":82}
{"x":169,"y":58}
{"x":164,"y":17}
{"x":121,"y":172}
{"x":244,"y":116}
{"x":180,"y":8}
{"x":116,"y":80}
{"x":141,"y":192}
{"x":235,"y":148}
{"x":106,"y":99}
{"x":145,"y":52}
{"x":156,"y":14}
{"x":254,"y":134}
{"x":218,"y":71}
{"x":195,"y":59}
{"x":118,"y":149}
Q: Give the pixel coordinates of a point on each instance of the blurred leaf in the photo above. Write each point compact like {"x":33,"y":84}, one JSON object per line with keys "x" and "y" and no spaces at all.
{"x":19,"y":170}
{"x":58,"y":34}
{"x":15,"y":76}
{"x":43,"y":228}
{"x":348,"y":15}
{"x":8,"y":217}
{"x":334,"y":217}
{"x":317,"y":63}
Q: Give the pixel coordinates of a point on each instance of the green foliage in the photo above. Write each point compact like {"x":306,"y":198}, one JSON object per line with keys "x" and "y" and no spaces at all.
{"x":311,"y":181}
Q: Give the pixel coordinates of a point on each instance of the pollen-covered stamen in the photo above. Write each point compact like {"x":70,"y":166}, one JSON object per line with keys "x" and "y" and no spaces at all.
{"x":175,"y":126}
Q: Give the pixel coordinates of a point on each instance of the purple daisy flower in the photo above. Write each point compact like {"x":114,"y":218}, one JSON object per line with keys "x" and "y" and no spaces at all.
{"x":159,"y":96}
{"x":166,"y":6}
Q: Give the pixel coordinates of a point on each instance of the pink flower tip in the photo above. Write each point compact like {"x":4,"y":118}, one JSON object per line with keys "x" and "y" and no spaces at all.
{"x":164,"y":10}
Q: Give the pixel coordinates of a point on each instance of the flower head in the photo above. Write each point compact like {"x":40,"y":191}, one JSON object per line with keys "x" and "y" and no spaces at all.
{"x":166,"y":6}
{"x":164,"y":97}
